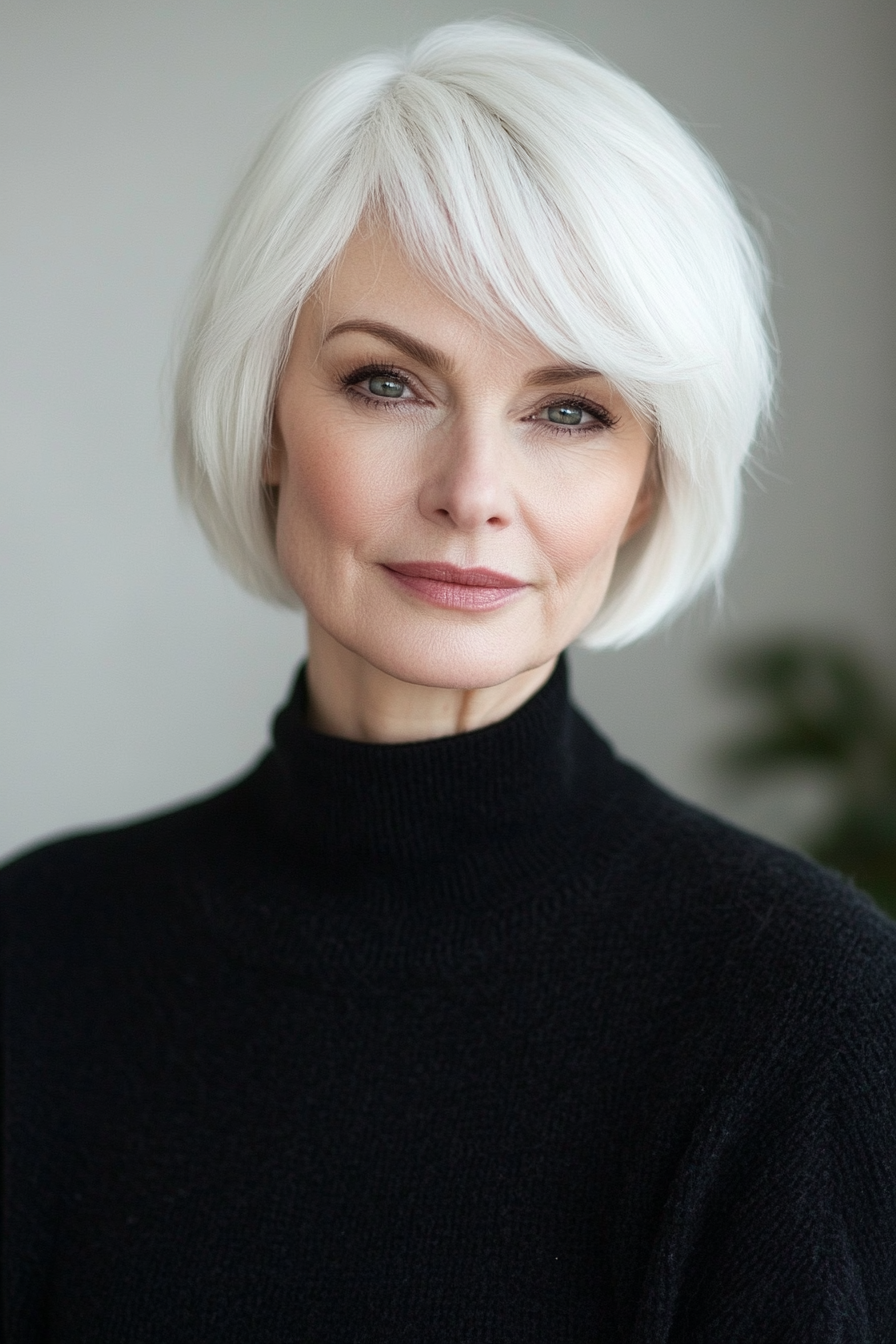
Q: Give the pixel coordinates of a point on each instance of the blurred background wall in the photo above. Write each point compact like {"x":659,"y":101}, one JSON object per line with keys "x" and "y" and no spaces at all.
{"x":132,"y":671}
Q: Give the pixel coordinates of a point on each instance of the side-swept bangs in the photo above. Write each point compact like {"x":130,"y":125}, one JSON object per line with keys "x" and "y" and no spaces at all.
{"x":541,"y":190}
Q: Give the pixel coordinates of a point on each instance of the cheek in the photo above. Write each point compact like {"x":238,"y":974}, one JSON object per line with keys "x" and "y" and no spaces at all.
{"x":581,"y":524}
{"x":335,"y":494}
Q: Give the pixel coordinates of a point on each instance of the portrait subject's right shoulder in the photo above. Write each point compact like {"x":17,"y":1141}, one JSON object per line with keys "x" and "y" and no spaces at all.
{"x":88,"y":870}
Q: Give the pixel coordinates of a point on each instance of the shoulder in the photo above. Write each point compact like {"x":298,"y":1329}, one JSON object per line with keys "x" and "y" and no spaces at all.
{"x":730,"y":873}
{"x":89,"y":872}
{"x":777,"y":1032}
{"x":772,"y":978}
{"x":767,"y":920}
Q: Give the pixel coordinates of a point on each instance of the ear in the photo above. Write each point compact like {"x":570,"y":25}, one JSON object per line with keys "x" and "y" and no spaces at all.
{"x":645,"y":501}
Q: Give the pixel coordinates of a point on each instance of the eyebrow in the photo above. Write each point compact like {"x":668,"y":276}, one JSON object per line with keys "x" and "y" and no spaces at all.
{"x":561,"y":373}
{"x":441,"y":363}
{"x":419,"y":350}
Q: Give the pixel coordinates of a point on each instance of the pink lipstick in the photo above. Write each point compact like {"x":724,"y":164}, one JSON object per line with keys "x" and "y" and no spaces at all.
{"x":447,"y":585}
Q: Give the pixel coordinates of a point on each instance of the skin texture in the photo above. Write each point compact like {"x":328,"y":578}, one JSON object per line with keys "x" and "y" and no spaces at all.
{"x":463,"y":464}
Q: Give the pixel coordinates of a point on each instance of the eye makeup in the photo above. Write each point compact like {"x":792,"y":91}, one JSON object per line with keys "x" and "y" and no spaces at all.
{"x":352,"y":383}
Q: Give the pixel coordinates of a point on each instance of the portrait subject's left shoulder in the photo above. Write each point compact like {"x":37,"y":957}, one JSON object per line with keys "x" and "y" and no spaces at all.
{"x":780,"y":1218}
{"x":777,"y":919}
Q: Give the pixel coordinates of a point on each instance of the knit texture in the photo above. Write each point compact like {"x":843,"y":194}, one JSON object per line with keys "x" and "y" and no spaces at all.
{"x":480,"y":1039}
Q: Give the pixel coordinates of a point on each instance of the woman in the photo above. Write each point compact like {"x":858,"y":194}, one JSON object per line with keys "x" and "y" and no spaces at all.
{"x":444,"y":1024}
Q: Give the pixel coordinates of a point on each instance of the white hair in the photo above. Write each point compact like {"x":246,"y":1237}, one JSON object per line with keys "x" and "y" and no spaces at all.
{"x":536,"y":186}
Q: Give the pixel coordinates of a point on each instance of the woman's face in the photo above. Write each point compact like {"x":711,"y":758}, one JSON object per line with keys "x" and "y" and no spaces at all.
{"x":450,"y":504}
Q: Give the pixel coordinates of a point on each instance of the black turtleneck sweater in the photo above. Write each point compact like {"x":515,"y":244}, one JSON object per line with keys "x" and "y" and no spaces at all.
{"x":473,"y":1040}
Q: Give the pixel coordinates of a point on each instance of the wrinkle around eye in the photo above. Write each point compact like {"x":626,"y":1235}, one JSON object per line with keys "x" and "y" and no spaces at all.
{"x":601,"y":420}
{"x":400,"y":405}
{"x":353,"y":385}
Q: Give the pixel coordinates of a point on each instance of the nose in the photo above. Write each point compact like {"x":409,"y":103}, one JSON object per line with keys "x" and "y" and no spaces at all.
{"x":466,"y":485}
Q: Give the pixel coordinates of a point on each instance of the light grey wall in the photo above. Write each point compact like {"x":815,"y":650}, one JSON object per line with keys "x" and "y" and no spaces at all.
{"x":133,"y":672}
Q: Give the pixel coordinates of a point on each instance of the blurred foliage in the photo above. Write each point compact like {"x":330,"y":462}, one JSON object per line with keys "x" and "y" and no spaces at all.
{"x":820,"y":708}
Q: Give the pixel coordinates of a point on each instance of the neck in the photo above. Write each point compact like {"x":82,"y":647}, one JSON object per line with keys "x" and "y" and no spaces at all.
{"x":349,"y":697}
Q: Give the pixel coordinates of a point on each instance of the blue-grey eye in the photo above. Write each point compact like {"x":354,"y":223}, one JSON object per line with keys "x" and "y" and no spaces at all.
{"x":565,"y":415}
{"x":385,"y":385}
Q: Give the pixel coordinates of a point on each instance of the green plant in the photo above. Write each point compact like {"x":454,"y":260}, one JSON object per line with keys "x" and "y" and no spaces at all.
{"x":820,"y":708}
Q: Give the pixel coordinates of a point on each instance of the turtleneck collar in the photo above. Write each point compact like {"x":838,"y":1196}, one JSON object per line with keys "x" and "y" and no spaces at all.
{"x":420,"y":800}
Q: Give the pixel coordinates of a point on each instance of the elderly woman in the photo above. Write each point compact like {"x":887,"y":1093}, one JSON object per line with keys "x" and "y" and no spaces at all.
{"x":443,"y":1024}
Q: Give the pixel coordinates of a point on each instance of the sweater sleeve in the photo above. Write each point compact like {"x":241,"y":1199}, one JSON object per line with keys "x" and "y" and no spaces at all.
{"x":862,"y":1202}
{"x":781,"y":1227}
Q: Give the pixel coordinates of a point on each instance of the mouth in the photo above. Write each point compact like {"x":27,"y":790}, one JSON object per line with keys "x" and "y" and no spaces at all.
{"x":446,"y":585}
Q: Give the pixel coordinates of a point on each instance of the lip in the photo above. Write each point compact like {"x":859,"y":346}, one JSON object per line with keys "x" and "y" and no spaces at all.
{"x":446,"y":585}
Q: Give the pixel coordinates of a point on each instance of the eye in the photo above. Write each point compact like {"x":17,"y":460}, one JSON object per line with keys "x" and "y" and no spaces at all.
{"x":566,"y":414}
{"x":575,"y":414}
{"x":378,"y":384}
{"x":386,"y":385}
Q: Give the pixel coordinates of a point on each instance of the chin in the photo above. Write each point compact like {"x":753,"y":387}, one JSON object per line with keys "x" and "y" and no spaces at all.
{"x":454,"y":657}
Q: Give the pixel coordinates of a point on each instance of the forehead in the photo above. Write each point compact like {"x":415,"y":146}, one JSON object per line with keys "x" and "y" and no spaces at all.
{"x":374,"y":280}
{"x":374,"y":265}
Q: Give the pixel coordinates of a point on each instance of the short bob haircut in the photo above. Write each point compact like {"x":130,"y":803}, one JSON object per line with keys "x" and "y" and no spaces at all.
{"x":539,"y":189}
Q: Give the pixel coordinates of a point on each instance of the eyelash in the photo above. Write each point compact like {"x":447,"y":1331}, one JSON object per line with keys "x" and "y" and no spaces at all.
{"x":602,"y":417}
{"x":351,"y":380}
